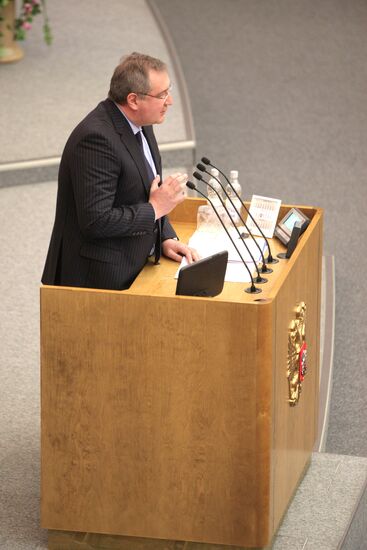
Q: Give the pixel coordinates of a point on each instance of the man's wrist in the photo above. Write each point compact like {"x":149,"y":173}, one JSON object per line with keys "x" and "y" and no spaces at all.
{"x":154,"y":210}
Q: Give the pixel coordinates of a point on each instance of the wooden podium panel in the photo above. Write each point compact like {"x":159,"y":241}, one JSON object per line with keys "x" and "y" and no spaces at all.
{"x":166,"y":416}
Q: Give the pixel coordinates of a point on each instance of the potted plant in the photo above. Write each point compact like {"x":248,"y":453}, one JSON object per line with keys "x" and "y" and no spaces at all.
{"x":13,"y":28}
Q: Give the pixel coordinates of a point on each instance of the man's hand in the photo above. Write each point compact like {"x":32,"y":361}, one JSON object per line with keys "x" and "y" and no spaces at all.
{"x":175,"y":250}
{"x":168,"y":195}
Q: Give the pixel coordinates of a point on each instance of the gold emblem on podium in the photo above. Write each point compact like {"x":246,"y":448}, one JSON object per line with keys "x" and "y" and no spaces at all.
{"x":297,"y":354}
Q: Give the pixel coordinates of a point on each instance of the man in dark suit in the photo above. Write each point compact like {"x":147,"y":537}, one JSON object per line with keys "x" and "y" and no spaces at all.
{"x":111,"y":209}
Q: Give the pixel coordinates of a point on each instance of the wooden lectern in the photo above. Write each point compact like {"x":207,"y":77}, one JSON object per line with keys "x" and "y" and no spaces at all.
{"x":169,"y":417}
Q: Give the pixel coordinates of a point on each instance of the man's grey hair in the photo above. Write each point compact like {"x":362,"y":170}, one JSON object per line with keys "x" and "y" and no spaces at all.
{"x":132,"y":75}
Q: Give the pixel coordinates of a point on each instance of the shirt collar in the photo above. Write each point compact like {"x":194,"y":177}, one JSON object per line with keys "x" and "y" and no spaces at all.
{"x":133,"y":126}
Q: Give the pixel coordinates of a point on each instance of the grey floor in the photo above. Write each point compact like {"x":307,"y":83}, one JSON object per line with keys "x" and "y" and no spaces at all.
{"x":23,"y":241}
{"x":55,"y":87}
{"x":277,"y":91}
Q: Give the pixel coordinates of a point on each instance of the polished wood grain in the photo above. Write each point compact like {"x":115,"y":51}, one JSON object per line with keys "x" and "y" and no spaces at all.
{"x":70,"y":540}
{"x":156,"y":416}
{"x":294,"y":427}
{"x":166,"y":416}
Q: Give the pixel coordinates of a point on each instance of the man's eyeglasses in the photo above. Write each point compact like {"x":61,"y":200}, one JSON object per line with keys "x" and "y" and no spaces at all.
{"x":163,"y":96}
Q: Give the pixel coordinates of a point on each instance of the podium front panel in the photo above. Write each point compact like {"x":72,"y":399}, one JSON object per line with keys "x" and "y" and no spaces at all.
{"x":167,"y":416}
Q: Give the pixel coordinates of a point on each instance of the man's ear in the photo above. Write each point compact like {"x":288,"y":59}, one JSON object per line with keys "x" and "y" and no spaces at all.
{"x":132,"y":101}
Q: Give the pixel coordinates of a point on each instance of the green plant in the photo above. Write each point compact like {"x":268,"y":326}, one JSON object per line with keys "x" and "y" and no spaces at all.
{"x":23,"y":23}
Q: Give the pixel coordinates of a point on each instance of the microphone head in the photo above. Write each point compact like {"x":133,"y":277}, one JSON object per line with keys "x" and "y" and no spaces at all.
{"x":197,"y":175}
{"x":190,"y":185}
{"x":201,"y":167}
{"x":205,"y":160}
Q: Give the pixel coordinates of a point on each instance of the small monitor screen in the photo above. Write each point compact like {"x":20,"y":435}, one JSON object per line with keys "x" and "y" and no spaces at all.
{"x":291,"y":220}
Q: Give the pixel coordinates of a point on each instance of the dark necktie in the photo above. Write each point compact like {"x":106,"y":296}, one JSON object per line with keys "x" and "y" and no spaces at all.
{"x":157,"y":246}
{"x":147,"y":165}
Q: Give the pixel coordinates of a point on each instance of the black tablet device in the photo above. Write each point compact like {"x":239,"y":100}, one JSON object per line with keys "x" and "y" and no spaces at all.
{"x":204,"y":277}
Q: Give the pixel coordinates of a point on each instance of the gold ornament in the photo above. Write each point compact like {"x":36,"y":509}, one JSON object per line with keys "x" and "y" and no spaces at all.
{"x":297,"y":354}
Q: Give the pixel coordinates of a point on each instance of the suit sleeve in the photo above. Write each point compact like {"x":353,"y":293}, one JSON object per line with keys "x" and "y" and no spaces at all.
{"x":96,"y":170}
{"x":167,"y":230}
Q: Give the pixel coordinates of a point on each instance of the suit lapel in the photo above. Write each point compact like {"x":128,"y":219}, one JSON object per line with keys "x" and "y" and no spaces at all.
{"x":127,"y":136}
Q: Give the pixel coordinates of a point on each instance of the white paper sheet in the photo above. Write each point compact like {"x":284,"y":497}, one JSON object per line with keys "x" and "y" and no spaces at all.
{"x":208,"y":244}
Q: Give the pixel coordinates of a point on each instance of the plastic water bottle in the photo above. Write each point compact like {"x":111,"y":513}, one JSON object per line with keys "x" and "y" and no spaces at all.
{"x":233,"y":178}
{"x":214,"y":183}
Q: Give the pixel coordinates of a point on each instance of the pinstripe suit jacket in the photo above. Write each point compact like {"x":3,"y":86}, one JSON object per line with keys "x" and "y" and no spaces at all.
{"x":104,"y":227}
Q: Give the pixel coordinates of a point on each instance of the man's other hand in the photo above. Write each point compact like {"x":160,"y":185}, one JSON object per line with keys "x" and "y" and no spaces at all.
{"x":176,"y":250}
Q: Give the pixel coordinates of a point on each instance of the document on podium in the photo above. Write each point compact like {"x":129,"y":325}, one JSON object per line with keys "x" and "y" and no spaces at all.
{"x":209,"y":243}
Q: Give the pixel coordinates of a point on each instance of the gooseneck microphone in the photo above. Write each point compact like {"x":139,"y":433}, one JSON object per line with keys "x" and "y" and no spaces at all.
{"x":252,"y":289}
{"x":270,"y":259}
{"x":264,"y":268}
{"x":258,"y":279}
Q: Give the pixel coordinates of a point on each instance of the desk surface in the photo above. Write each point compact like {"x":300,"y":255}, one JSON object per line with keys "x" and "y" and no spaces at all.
{"x":159,"y":280}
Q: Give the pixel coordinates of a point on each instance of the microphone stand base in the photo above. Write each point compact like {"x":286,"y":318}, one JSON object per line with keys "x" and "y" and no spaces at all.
{"x":260,"y":280}
{"x":253,"y":290}
{"x":282,"y":256}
